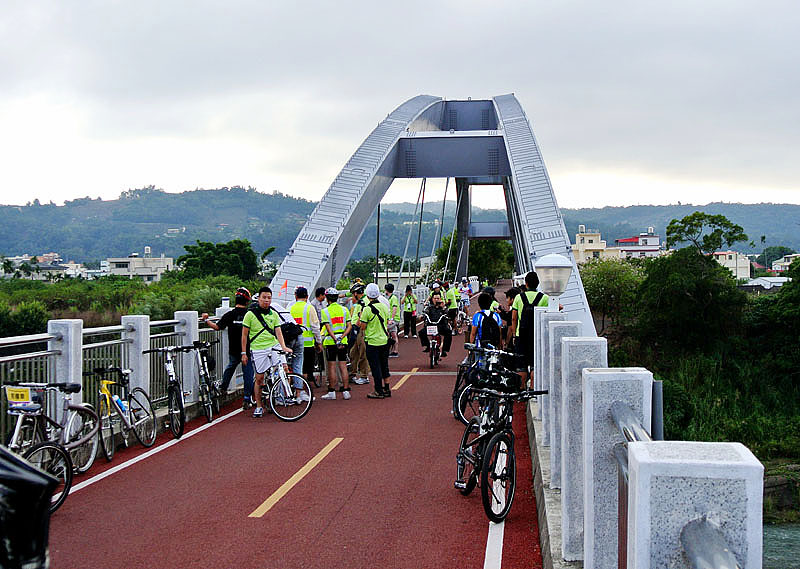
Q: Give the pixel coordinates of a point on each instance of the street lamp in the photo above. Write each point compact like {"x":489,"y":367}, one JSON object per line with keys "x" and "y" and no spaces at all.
{"x":554,"y":271}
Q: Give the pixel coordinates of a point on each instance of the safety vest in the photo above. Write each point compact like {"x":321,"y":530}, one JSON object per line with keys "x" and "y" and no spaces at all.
{"x":450,"y":295}
{"x":299,"y":311}
{"x":409,"y":303}
{"x":337,"y":316}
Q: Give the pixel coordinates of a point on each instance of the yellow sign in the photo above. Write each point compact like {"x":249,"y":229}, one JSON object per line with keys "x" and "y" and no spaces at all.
{"x":18,"y":395}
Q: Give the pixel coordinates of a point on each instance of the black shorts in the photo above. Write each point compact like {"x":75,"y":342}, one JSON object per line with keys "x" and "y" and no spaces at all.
{"x":309,"y":359}
{"x":336,"y":353}
{"x":526,"y":351}
{"x":452,"y":313}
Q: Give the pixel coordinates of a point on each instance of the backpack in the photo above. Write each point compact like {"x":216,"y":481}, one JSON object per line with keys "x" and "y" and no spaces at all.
{"x":291,"y":330}
{"x":490,"y":331}
{"x":525,"y":321}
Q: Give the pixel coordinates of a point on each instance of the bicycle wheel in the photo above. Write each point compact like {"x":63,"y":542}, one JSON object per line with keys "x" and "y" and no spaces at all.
{"x":216,"y":397}
{"x":498,"y":477}
{"x":468,"y":405}
{"x":143,"y":417}
{"x":457,"y":388}
{"x":54,"y":460}
{"x":177,"y":414}
{"x":469,"y":456}
{"x":107,"y":442}
{"x":294,"y":405}
{"x":205,"y":401}
{"x":81,"y":423}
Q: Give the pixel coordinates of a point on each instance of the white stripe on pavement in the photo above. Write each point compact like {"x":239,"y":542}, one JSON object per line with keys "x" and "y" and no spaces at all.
{"x":149,"y":453}
{"x":494,"y":546}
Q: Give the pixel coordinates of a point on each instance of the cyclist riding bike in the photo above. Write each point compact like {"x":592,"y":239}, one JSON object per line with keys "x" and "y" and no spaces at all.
{"x":465,"y":291}
{"x":486,"y":332}
{"x":434,"y":313}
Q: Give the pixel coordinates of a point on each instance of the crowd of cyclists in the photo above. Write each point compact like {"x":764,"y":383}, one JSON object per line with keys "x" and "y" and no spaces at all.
{"x":353,"y":334}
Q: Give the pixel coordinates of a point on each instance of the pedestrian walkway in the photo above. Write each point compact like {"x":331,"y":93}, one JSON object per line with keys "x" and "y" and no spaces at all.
{"x":359,"y":483}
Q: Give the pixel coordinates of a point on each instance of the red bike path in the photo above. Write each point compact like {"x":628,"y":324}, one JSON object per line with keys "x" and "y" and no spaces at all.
{"x":382,"y":497}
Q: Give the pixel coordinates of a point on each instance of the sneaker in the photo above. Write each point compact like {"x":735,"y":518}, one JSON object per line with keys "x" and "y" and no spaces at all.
{"x":387,"y":391}
{"x":259,"y":412}
{"x":375,"y":395}
{"x":414,"y":336}
{"x":394,"y":355}
{"x":303,"y":397}
{"x":247,"y":404}
{"x":361,"y":380}
{"x":405,"y":336}
{"x":346,"y":395}
{"x":331,"y":395}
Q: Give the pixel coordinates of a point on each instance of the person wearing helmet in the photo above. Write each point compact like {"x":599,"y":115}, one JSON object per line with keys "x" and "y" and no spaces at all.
{"x":358,"y":348}
{"x":336,"y":325}
{"x":310,"y":342}
{"x":373,"y":318}
{"x":232,"y":320}
{"x":394,"y":316}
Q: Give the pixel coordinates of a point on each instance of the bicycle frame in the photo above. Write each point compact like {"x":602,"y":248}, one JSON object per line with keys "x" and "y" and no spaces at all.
{"x":105,"y":392}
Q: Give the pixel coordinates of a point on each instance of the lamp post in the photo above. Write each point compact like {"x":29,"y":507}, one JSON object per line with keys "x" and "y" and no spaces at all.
{"x":554,"y":271}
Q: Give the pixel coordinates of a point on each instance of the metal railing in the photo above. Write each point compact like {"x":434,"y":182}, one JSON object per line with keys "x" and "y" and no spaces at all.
{"x":158,"y":373}
{"x":107,"y":351}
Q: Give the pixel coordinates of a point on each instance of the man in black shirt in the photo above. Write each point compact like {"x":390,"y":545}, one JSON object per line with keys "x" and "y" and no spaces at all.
{"x":435,"y":311}
{"x":232,"y":320}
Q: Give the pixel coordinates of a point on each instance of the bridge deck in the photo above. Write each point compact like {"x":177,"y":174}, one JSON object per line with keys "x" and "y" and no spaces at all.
{"x":383,"y":497}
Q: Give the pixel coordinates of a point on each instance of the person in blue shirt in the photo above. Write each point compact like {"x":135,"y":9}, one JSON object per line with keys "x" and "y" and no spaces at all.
{"x":476,"y":333}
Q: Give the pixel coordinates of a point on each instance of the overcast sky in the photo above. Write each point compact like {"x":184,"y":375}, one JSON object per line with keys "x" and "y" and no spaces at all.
{"x":633,"y":102}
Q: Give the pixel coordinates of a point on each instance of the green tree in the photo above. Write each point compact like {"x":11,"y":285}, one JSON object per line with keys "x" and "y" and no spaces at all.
{"x":773,"y":253}
{"x":489,"y":259}
{"x":611,"y":286}
{"x":30,"y":318}
{"x":707,"y":233}
{"x":236,"y":258}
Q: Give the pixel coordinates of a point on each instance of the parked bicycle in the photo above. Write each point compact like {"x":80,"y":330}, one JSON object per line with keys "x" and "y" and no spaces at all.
{"x":434,"y":339}
{"x":76,"y":431}
{"x":131,"y":413}
{"x":288,"y":395}
{"x":486,"y":453}
{"x":210,"y":393}
{"x":176,"y":396}
{"x":488,"y":367}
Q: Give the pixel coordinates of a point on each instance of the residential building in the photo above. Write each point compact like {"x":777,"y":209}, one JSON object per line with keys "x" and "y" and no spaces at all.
{"x":641,"y":246}
{"x":737,"y":263}
{"x":781,"y":265}
{"x":147,"y":268}
{"x":589,"y":245}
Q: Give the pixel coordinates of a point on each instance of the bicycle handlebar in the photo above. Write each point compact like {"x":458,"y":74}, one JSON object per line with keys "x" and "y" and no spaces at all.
{"x":521,"y":395}
{"x":62,"y":386}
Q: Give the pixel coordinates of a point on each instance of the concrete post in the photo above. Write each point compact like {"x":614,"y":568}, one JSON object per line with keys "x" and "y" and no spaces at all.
{"x":558,"y":330}
{"x":672,"y":483}
{"x":69,"y":363}
{"x":238,"y":379}
{"x":601,"y":388}
{"x":577,"y":354}
{"x":536,"y":379}
{"x":188,"y":323}
{"x":543,"y":349}
{"x":137,"y":329}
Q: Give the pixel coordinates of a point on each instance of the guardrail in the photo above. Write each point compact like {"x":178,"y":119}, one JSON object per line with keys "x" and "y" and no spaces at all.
{"x":67,"y":350}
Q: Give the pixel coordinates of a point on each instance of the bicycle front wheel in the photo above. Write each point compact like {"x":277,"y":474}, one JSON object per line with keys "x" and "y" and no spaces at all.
{"x":468,"y":405}
{"x":205,"y":401}
{"x":54,"y":460}
{"x":469,"y":456}
{"x":177,"y":414}
{"x":107,"y":443}
{"x":293,"y":405}
{"x":498,"y":477}
{"x":143,"y":417}
{"x":83,"y":423}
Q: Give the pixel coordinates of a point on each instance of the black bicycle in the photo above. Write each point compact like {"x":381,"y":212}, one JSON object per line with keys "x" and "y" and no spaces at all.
{"x":483,"y":367}
{"x":486,"y":453}
{"x":210,"y":393}
{"x":176,"y":397}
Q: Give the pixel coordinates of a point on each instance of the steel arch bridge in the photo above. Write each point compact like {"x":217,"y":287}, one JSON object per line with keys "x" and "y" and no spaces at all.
{"x":474,"y":141}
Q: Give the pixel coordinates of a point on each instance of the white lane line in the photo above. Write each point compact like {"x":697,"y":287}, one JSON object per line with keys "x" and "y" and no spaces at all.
{"x":150,"y":453}
{"x":494,"y":546}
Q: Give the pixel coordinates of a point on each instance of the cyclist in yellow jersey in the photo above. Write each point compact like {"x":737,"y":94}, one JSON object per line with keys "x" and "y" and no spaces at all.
{"x":304,"y":314}
{"x":336,"y":326}
{"x":358,"y":349}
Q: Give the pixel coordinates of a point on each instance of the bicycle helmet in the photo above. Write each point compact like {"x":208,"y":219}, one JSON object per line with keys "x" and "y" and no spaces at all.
{"x":357,"y":288}
{"x":331,"y":292}
{"x":241,"y":291}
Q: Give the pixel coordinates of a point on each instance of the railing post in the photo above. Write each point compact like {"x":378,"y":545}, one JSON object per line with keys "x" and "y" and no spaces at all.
{"x":68,"y":364}
{"x":558,"y":330}
{"x":224,"y":342}
{"x":542,"y":348}
{"x":137,"y":329}
{"x":672,"y":483}
{"x":577,"y":354}
{"x":189,"y":325}
{"x":536,"y":379}
{"x":602,"y":388}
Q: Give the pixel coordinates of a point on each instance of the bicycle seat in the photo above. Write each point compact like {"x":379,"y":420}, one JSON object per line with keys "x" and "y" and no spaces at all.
{"x":26,"y":408}
{"x":68,"y":387}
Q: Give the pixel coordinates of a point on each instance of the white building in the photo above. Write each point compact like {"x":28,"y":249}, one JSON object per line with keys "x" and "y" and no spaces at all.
{"x":768,"y":282}
{"x":782,"y":264}
{"x":147,"y":268}
{"x":737,"y":263}
{"x":642,"y":246}
{"x":589,"y":245}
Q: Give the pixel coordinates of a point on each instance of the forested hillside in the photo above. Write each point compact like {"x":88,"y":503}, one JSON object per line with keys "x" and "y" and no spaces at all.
{"x":89,"y":230}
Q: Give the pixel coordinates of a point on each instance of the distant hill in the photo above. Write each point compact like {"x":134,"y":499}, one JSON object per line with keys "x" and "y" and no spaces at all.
{"x":89,"y":230}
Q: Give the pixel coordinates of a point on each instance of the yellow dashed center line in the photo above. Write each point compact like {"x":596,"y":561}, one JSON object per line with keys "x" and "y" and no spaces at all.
{"x":404,"y":378}
{"x":297,"y":477}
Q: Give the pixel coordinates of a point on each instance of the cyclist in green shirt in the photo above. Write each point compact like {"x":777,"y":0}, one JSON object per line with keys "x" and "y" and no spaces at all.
{"x":394,"y":316}
{"x":409,"y":303}
{"x":261,"y":339}
{"x":373,"y":318}
{"x":358,"y":350}
{"x":521,"y":329}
